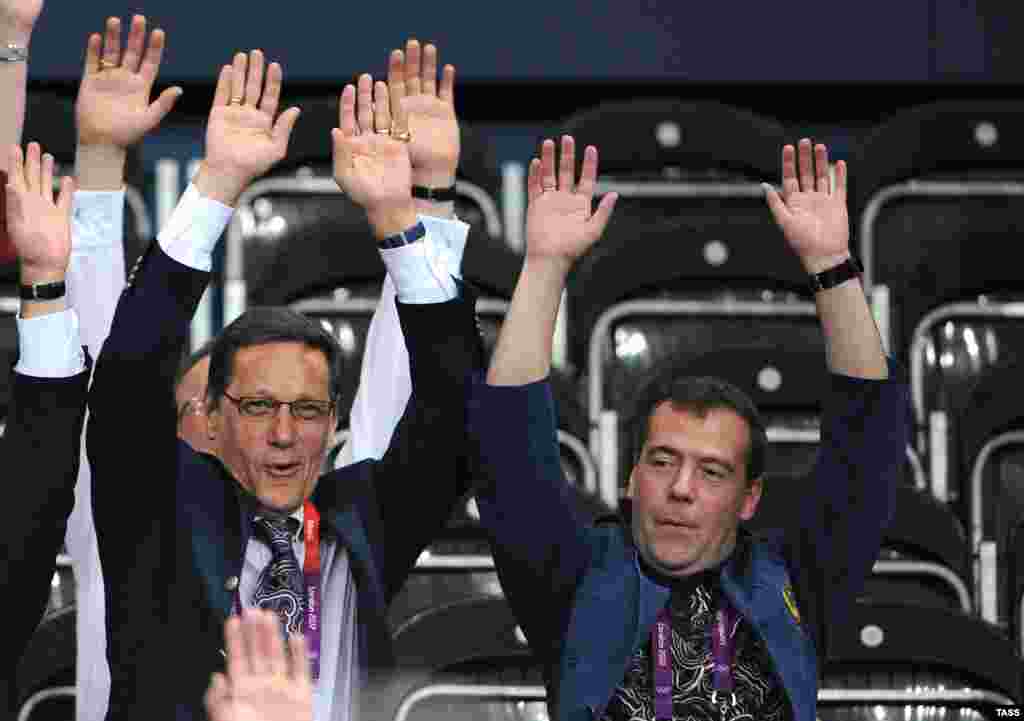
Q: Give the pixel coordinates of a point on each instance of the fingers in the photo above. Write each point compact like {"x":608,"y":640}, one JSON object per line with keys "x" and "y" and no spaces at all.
{"x":234,"y":644}
{"x":222,"y":95}
{"x":776,"y":204}
{"x":46,"y":177}
{"x":298,"y":652}
{"x":599,"y":220}
{"x":216,"y":696}
{"x":16,"y":168}
{"x":381,"y":107}
{"x":254,"y":80}
{"x":412,"y":67}
{"x":264,"y":636}
{"x":447,"y":92}
{"x":567,"y":164}
{"x":429,"y":70}
{"x":399,"y":116}
{"x":238,"y":78}
{"x":588,"y":177}
{"x":93,"y":47}
{"x":821,"y":182}
{"x":112,"y":43}
{"x":159,"y":108}
{"x":396,"y":75}
{"x":533,"y":186}
{"x":347,"y":111}
{"x":547,"y":165}
{"x":154,"y":55}
{"x":805,"y":165}
{"x":364,"y":104}
{"x":32,"y":168}
{"x":272,"y":92}
{"x":66,"y":196}
{"x":840,"y":186}
{"x":135,"y":45}
{"x":790,"y":184}
{"x":282,"y":130}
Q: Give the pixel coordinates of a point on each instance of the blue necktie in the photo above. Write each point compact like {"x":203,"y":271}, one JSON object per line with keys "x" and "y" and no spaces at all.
{"x":280,"y":585}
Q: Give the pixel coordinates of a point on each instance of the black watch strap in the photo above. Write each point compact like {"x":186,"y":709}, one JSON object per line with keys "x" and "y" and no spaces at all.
{"x":43,"y":291}
{"x":434,"y":195}
{"x":835,"y":275}
{"x":404,"y":238}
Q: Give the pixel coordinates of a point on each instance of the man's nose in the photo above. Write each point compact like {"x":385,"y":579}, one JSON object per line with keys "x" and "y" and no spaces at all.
{"x":684,"y":484}
{"x":282,"y":427}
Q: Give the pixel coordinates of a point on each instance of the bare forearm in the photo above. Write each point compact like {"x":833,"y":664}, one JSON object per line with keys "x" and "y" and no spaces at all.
{"x":13,"y":80}
{"x":100,"y":167}
{"x":852,"y":342}
{"x":523,"y":353}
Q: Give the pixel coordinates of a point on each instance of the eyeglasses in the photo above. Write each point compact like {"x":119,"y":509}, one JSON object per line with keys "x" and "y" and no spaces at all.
{"x":304,"y":410}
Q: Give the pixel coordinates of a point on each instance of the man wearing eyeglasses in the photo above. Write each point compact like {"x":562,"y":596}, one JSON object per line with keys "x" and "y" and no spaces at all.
{"x":256,"y":526}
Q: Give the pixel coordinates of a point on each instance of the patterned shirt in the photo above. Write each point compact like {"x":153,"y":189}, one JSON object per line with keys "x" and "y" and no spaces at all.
{"x":693,"y":608}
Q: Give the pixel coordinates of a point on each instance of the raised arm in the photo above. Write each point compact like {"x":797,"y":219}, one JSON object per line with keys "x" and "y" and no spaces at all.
{"x":525,"y":501}
{"x":17,"y":21}
{"x":47,"y":401}
{"x":384,"y":381}
{"x":865,"y":423}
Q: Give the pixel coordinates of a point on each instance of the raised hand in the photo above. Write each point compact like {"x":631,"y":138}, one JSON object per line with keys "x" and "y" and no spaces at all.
{"x":245,"y":137}
{"x":262,"y":683}
{"x":39,"y":226}
{"x":113,"y":107}
{"x":430,"y":107}
{"x":371,"y":155}
{"x":559,"y":221}
{"x":19,"y":17}
{"x":812,"y":214}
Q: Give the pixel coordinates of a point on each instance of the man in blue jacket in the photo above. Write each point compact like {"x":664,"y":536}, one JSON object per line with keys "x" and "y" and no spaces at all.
{"x":674,"y":611}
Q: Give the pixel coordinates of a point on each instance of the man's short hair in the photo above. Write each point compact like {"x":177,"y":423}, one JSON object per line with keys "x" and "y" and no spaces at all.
{"x":191,"y":360}
{"x":699,"y":395}
{"x":272,"y":324}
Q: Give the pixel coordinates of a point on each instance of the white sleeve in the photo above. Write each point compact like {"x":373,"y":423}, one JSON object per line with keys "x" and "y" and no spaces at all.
{"x":385,"y":383}
{"x":192,"y":231}
{"x":50,"y":346}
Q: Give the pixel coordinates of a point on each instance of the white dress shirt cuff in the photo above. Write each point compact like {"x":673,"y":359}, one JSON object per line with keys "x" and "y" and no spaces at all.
{"x":425,"y":271}
{"x":50,"y":346}
{"x":195,"y":226}
{"x":97,"y":218}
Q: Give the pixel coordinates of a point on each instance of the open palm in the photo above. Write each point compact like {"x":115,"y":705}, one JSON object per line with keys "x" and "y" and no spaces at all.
{"x":429,"y":106}
{"x":559,"y":221}
{"x":113,"y":105}
{"x":811,"y":214}
{"x":39,"y":226}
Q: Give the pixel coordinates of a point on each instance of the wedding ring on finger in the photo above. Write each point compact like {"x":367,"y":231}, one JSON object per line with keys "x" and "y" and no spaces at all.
{"x":405,"y":136}
{"x":384,"y":131}
{"x":548,"y":188}
{"x":236,"y":101}
{"x":107,"y":64}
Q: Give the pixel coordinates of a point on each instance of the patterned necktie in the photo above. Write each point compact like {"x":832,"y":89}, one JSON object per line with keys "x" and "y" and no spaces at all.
{"x":280,"y":585}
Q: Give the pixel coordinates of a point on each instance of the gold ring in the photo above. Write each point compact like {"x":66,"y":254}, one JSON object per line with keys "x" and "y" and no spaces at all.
{"x":236,"y":101}
{"x":107,"y":64}
{"x":547,"y":188}
{"x":385,"y":131}
{"x":405,"y":136}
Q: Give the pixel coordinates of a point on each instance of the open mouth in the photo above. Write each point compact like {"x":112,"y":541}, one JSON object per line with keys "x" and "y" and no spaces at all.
{"x":282,"y":470}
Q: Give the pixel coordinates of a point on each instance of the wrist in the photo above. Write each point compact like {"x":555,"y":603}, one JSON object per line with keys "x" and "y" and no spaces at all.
{"x":392,"y":219}
{"x":434,"y":177}
{"x":223,"y":187}
{"x":15,"y":33}
{"x":818,"y":264}
{"x":33,"y":275}
{"x":548,"y":267}
{"x":99,"y":167}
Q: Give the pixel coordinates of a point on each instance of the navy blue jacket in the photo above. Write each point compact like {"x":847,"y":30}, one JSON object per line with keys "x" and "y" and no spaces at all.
{"x":578,"y":591}
{"x":170,"y":525}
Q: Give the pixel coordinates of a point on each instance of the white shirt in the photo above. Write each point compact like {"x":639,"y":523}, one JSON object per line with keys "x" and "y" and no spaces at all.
{"x":50,"y":346}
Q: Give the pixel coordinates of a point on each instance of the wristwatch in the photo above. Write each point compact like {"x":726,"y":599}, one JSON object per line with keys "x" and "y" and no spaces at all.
{"x":434,"y":195}
{"x":43,"y":291}
{"x":406,"y":237}
{"x":11,"y":53}
{"x":835,"y":275}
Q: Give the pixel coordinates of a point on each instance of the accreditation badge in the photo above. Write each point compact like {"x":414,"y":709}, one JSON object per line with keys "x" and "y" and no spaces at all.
{"x":790,"y":598}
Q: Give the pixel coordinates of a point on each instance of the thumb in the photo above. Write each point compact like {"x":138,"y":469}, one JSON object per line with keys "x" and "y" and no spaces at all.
{"x":159,"y":108}
{"x":776,"y":204}
{"x":599,"y":220}
{"x":285,"y":124}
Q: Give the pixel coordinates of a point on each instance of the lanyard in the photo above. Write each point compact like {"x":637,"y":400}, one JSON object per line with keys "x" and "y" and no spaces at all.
{"x":311,"y":574}
{"x":723,"y":652}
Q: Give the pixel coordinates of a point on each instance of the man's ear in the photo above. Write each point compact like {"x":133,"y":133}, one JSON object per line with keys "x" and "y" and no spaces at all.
{"x":631,"y":485}
{"x":751,"y":499}
{"x":214,"y":419}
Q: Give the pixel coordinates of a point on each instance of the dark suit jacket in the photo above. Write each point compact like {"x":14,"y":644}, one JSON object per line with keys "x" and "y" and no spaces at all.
{"x":172,"y":531}
{"x":41,"y":448}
